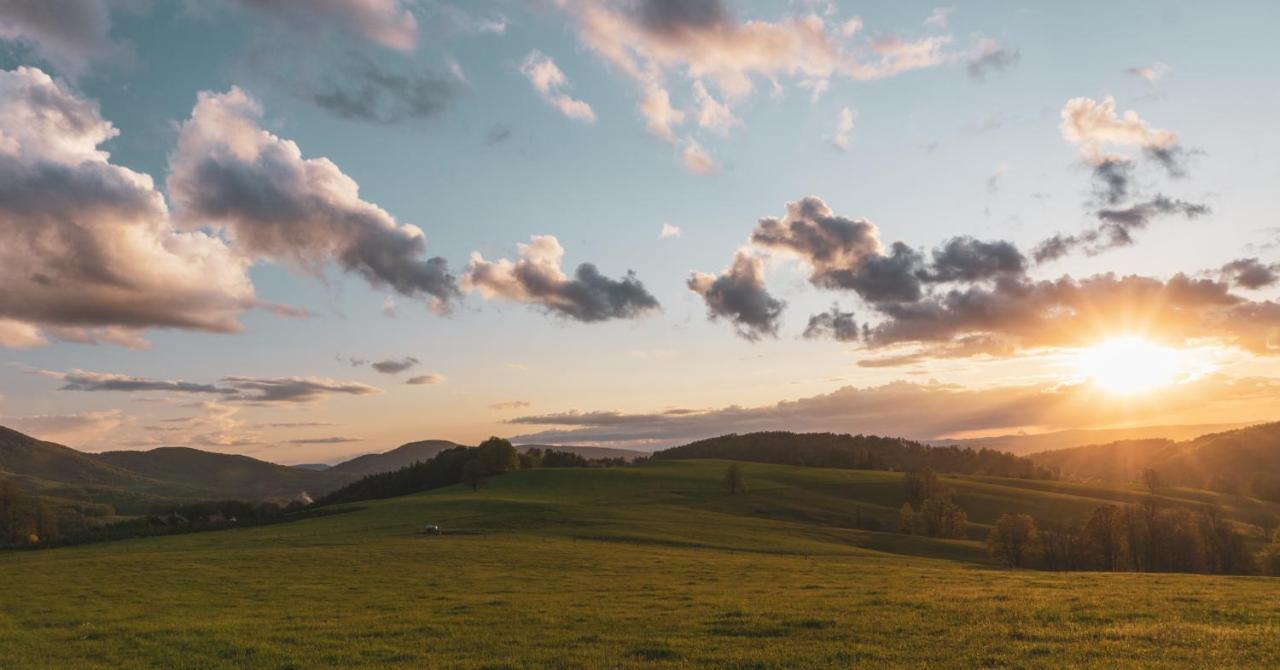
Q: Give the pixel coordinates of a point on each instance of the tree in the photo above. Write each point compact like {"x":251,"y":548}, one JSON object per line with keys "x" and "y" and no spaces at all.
{"x":1011,"y":538}
{"x":1151,"y":480}
{"x":924,"y":484}
{"x":906,"y":519}
{"x":474,"y":474}
{"x":940,"y":517}
{"x":733,"y":480}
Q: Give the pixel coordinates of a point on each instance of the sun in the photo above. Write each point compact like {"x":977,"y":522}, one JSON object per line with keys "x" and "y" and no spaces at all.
{"x":1131,"y":365}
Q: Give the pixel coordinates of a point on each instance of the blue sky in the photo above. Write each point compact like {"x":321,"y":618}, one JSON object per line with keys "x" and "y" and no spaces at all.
{"x":934,"y":153}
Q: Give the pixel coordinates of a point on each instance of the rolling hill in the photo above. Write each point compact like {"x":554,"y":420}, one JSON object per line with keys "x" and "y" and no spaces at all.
{"x":1022,"y":444}
{"x":645,"y":566}
{"x":1244,"y":461}
{"x":405,"y":454}
{"x":224,"y":475}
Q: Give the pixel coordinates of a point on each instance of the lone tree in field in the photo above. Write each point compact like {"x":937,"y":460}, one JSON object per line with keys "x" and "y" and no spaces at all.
{"x":733,"y":480}
{"x":1012,"y":538}
{"x":1151,"y":480}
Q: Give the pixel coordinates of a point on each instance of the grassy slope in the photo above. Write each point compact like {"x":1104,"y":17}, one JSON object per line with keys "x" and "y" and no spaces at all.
{"x":650,"y":566}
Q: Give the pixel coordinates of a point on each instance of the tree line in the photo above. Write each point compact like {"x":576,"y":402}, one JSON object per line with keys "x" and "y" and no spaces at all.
{"x":858,"y":452}
{"x":472,"y":466}
{"x":1147,"y":536}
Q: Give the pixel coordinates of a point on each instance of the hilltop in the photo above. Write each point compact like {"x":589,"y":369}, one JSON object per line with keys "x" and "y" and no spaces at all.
{"x":1244,"y":461}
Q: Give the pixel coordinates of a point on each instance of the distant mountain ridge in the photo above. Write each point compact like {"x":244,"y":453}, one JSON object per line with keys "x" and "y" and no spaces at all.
{"x":1245,"y":461}
{"x":1022,"y":444}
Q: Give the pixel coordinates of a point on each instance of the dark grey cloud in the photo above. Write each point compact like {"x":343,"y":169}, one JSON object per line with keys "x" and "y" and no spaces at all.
{"x":536,"y":278}
{"x":230,"y":174}
{"x":81,"y":380}
{"x":1117,"y":227}
{"x":990,"y":57}
{"x":966,"y":259}
{"x":674,"y":17}
{"x":395,"y":366}
{"x":834,"y":324}
{"x":429,"y":379}
{"x":361,"y":88}
{"x":1112,"y":179}
{"x":293,"y":389}
{"x":739,"y":296}
{"x":67,"y":34}
{"x":1251,"y":273}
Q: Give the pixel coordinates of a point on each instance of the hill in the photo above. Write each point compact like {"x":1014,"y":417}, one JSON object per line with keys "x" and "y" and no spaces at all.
{"x":224,"y":475}
{"x":26,"y":456}
{"x":867,"y":452}
{"x":1023,"y":445}
{"x":1244,"y":461}
{"x":644,"y":566}
{"x":405,"y":454}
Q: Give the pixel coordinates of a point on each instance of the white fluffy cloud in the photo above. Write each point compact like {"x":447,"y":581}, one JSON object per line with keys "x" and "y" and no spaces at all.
{"x":549,"y":81}
{"x":230,"y":174}
{"x":87,"y":248}
{"x":1092,"y":125}
{"x":843,"y":137}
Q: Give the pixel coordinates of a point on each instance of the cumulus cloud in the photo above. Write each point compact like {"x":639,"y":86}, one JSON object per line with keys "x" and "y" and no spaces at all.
{"x":536,"y":278}
{"x":669,"y":231}
{"x":651,"y":40}
{"x":843,"y":137}
{"x":920,"y":411}
{"x":394,"y":366}
{"x":739,"y":296}
{"x":430,"y":379}
{"x":388,"y":23}
{"x":966,"y":259}
{"x":67,"y":34}
{"x":1093,"y":125}
{"x":549,"y":81}
{"x":230,"y":174}
{"x":87,"y":248}
{"x":834,"y":323}
{"x":990,"y":57}
{"x":1250,"y":273}
{"x":293,"y":389}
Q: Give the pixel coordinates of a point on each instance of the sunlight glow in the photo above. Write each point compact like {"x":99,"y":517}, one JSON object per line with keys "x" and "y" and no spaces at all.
{"x":1131,"y":365}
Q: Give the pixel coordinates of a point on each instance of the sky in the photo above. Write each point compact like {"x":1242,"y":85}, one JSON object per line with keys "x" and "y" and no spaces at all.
{"x":303,"y":231}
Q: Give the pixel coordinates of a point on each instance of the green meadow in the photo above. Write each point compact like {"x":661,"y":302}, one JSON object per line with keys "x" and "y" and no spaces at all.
{"x":647,"y":566}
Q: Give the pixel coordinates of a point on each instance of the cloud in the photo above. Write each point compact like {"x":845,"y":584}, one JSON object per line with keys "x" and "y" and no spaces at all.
{"x":938,"y":17}
{"x":48,"y":426}
{"x":1117,"y":227}
{"x":230,"y":174}
{"x":67,"y":34}
{"x":695,"y":157}
{"x":988,"y":57}
{"x":293,"y":389}
{"x":395,"y":366}
{"x":325,"y":440}
{"x":834,"y":324}
{"x":388,"y":23}
{"x":920,"y":411}
{"x":843,"y":137}
{"x":362,"y":89}
{"x":536,"y":278}
{"x":669,"y":231}
{"x":389,"y":307}
{"x":430,"y":379}
{"x":649,"y":41}
{"x":739,"y":296}
{"x":842,"y":253}
{"x":82,"y":380}
{"x":1092,"y":125}
{"x":548,"y":81}
{"x":1250,"y":273}
{"x":87,"y":248}
{"x":497,"y":135}
{"x":510,"y":404}
{"x":713,"y":114}
{"x":1150,"y":73}
{"x":966,"y":259}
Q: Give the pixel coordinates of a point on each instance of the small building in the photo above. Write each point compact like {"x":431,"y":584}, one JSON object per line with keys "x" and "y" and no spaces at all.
{"x":432,"y":529}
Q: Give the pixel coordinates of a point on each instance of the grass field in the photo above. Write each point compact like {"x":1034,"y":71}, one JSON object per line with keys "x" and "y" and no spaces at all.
{"x":650,"y":566}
